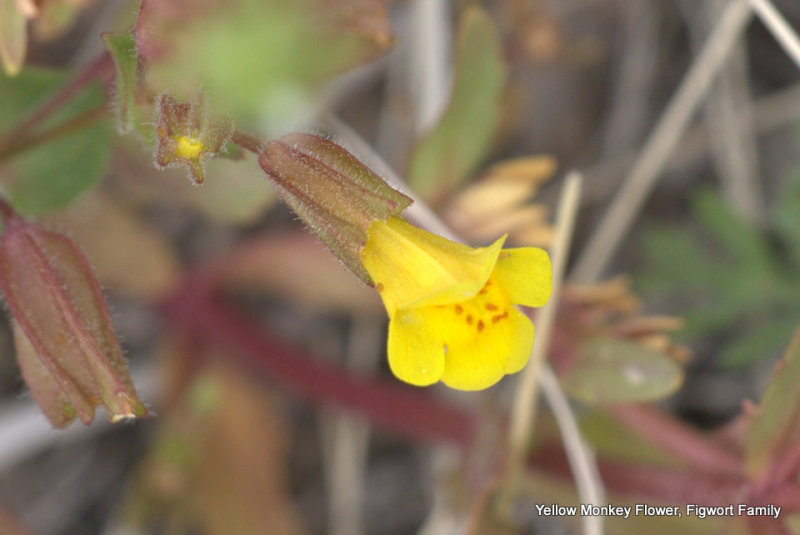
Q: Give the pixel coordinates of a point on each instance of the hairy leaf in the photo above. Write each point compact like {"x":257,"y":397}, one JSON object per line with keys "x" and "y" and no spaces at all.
{"x":122,"y":47}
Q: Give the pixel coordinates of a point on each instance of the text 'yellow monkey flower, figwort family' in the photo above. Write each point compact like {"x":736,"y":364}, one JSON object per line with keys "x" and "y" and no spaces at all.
{"x":451,"y":307}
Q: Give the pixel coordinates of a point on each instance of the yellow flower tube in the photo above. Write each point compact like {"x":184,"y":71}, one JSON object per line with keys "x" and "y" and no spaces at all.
{"x":451,"y":307}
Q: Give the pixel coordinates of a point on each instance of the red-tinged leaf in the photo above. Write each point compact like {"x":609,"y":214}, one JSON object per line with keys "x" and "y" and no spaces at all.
{"x":62,"y":321}
{"x":774,"y":430}
{"x":13,"y":37}
{"x":365,"y":22}
{"x":115,"y":239}
{"x":60,"y":399}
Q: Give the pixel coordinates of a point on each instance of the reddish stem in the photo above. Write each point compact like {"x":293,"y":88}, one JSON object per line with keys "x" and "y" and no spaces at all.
{"x":786,"y":495}
{"x":8,"y":213}
{"x":247,"y":142}
{"x":102,"y":67}
{"x":784,"y":468}
{"x":209,"y":319}
{"x":22,"y":143}
{"x":677,"y":438}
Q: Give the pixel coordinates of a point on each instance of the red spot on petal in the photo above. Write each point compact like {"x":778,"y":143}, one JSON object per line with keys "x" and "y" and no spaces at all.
{"x":498,"y":317}
{"x":459,"y":309}
{"x":480,"y":325}
{"x":469,"y":319}
{"x":491,"y":306}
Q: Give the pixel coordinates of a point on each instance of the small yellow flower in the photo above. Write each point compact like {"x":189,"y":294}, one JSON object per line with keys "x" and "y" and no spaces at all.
{"x":188,"y":148}
{"x":187,"y":134}
{"x":451,"y":307}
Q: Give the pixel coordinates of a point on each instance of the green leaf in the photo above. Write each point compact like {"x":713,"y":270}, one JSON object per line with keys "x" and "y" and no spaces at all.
{"x":13,"y":37}
{"x":742,"y":241}
{"x":785,"y":216}
{"x":260,"y":62}
{"x":450,"y":152}
{"x":24,"y":93}
{"x":775,"y":428}
{"x":122,"y":47}
{"x":760,"y":341}
{"x":609,"y":370}
{"x":53,"y":175}
{"x":664,"y":249}
{"x":728,"y":277}
{"x":49,"y":176}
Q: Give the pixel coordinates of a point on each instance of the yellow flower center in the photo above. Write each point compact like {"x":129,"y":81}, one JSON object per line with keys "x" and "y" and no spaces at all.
{"x":189,"y":147}
{"x":461,"y":322}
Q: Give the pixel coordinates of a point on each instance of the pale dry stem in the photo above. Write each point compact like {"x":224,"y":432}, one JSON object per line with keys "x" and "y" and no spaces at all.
{"x":523,"y":410}
{"x":729,"y":117}
{"x":430,"y":72}
{"x":659,"y":146}
{"x":779,"y":27}
{"x":349,"y":435}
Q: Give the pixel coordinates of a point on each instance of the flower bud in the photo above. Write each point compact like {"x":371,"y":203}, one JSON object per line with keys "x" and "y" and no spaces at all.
{"x":187,"y":135}
{"x":336,"y":195}
{"x":66,"y":346}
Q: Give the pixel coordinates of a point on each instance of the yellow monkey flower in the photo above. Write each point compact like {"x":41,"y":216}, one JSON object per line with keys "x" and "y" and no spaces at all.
{"x":451,"y":307}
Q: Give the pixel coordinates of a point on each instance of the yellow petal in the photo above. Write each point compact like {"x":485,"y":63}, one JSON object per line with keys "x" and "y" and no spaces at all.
{"x":415,"y":348}
{"x":500,"y":348}
{"x":469,"y":345}
{"x":523,"y":345}
{"x":413,"y":268}
{"x":526,"y":275}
